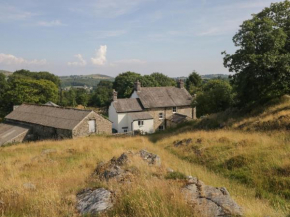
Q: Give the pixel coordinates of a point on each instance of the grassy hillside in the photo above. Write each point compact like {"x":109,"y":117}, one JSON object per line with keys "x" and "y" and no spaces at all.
{"x":81,"y":80}
{"x":252,"y":162}
{"x":59,"y":175}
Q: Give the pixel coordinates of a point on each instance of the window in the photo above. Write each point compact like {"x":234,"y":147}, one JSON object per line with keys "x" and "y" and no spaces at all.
{"x":174,"y":109}
{"x":160,"y":115}
{"x":92,"y":126}
{"x":140,"y":123}
{"x":125,"y":131}
{"x":161,"y":127}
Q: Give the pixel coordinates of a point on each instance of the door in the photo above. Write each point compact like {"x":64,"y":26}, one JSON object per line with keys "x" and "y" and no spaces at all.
{"x":92,"y":126}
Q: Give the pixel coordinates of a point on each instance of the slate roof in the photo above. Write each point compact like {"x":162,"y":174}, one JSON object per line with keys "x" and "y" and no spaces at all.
{"x":127,"y":105}
{"x":51,"y":104}
{"x":158,"y":97}
{"x":56,"y":117}
{"x":178,"y":118}
{"x":8,"y":132}
{"x":140,"y":116}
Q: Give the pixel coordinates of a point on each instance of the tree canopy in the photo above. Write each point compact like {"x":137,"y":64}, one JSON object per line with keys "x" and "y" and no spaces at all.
{"x":262,"y":60}
{"x":193,"y":82}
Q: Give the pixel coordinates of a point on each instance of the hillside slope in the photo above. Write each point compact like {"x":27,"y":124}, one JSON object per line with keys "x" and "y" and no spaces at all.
{"x":43,"y":178}
{"x":80,"y":80}
{"x":6,"y":73}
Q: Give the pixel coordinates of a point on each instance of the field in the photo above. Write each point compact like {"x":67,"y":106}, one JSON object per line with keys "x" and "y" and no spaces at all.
{"x":43,"y":178}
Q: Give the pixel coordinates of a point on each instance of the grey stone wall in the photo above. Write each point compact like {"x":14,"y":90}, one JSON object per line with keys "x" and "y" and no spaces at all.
{"x":103,"y":126}
{"x":168,"y":112}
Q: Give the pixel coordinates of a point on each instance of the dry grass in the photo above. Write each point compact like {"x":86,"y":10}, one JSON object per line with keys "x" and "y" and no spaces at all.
{"x":59,"y":176}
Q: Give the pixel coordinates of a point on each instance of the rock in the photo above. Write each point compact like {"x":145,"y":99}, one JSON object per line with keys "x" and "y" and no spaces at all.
{"x":49,"y":151}
{"x":169,"y":170}
{"x":152,"y":159}
{"x":209,"y":201}
{"x":29,"y":186}
{"x":182,"y":142}
{"x":91,"y":202}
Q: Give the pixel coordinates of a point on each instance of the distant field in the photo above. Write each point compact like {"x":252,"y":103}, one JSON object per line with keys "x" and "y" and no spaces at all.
{"x":6,"y":73}
{"x":81,"y":80}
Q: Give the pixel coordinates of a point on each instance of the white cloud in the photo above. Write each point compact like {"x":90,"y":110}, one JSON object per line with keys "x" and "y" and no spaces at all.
{"x":50,"y":24}
{"x":81,"y":61}
{"x":10,"y":59}
{"x":106,"y":34}
{"x":100,"y":58}
{"x":12,"y":13}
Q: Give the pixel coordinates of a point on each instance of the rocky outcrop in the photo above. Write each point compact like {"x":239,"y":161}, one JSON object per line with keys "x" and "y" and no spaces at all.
{"x":182,"y":142}
{"x":209,"y":201}
{"x":206,"y":201}
{"x":94,"y":201}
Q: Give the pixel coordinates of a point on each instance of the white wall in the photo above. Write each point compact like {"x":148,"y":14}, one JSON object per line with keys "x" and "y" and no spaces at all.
{"x":148,"y":126}
{"x":113,"y":116}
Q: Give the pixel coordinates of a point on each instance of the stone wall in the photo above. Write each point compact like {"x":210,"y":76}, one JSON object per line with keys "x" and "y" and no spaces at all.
{"x":20,"y":138}
{"x":103,"y":126}
{"x":168,"y":112}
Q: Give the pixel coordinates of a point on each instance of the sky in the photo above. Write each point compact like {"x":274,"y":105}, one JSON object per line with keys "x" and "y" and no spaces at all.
{"x":72,"y":37}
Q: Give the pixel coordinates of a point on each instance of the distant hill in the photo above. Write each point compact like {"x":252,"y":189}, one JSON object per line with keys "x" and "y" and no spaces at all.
{"x":80,"y":80}
{"x":212,"y":76}
{"x":6,"y":73}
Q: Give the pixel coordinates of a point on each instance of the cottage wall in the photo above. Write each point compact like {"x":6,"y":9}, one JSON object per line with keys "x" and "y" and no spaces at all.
{"x":103,"y":126}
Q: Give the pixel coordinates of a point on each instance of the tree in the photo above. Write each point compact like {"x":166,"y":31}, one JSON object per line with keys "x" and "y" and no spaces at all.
{"x":193,"y":82}
{"x":38,"y":76}
{"x":262,"y":61}
{"x":163,"y":80}
{"x":217,"y":96}
{"x":27,"y":90}
{"x":82,"y":97}
{"x":124,"y":83}
{"x":102,"y":96}
{"x":3,"y":89}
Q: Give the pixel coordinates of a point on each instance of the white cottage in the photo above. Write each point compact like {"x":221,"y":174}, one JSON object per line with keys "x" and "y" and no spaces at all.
{"x":151,"y":108}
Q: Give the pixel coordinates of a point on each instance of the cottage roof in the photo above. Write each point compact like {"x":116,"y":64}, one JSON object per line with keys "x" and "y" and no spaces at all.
{"x":49,"y":103}
{"x":158,"y":97}
{"x":140,"y":116}
{"x":56,"y":117}
{"x":127,"y":105}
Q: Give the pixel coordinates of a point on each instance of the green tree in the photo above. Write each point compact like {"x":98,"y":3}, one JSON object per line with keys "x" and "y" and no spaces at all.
{"x":148,"y":81}
{"x":3,"y":89}
{"x":102,"y":96}
{"x":216,"y":96}
{"x":262,"y":60}
{"x":82,"y":97}
{"x":124,"y":83}
{"x":193,"y":83}
{"x":163,"y":80}
{"x":27,"y":90}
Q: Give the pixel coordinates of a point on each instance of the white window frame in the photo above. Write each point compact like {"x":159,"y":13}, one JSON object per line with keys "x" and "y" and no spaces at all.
{"x":174,"y":109}
{"x":161,"y":116}
{"x":140,"y":123}
{"x":125,"y":130}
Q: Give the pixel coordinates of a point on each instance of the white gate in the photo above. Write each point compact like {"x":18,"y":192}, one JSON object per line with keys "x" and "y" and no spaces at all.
{"x":92,"y":126}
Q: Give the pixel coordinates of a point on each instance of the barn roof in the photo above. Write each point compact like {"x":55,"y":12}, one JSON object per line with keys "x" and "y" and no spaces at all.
{"x":178,"y":118}
{"x":158,"y":97}
{"x":9,"y":132}
{"x":127,"y":105}
{"x":140,"y":116}
{"x":56,"y":117}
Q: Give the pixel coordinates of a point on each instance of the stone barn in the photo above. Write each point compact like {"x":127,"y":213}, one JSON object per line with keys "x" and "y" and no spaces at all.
{"x":48,"y":122}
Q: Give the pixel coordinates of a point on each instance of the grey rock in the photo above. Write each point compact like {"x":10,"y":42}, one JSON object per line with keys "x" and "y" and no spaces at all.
{"x":182,"y":142}
{"x":209,"y":201}
{"x":151,"y":158}
{"x":96,"y":201}
{"x":169,"y":170}
{"x":29,"y":186}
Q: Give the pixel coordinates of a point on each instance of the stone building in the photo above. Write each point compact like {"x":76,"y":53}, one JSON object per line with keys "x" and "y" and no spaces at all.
{"x":39,"y":122}
{"x":153,"y":108}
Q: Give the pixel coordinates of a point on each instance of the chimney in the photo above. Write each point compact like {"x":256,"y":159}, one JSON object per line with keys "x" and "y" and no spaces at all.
{"x":115,"y":95}
{"x":138,"y":86}
{"x":180,"y":84}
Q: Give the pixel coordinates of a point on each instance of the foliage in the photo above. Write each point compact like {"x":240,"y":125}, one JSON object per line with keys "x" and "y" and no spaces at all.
{"x":193,"y":83}
{"x":262,"y":61}
{"x":217,"y":96}
{"x":175,"y":175}
{"x":163,"y":80}
{"x":124,"y":83}
{"x":102,"y":96}
{"x":82,"y":80}
{"x":38,"y":76}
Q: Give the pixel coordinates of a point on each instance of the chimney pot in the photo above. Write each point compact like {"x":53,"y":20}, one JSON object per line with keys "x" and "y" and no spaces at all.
{"x":137,"y":86}
{"x":180,"y":84}
{"x":115,"y":95}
